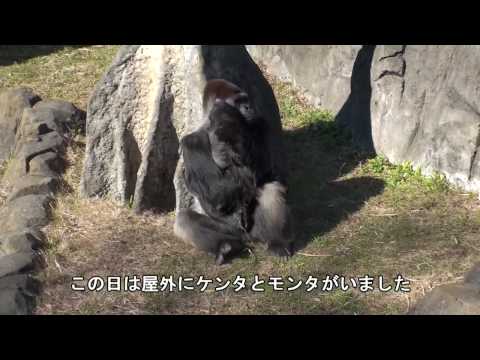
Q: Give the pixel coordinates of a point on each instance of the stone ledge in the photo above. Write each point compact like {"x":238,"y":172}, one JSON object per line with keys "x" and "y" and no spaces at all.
{"x":35,"y":138}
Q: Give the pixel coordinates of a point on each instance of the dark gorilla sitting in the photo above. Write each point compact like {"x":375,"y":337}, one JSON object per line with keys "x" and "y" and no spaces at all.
{"x":217,"y":172}
{"x":229,"y":172}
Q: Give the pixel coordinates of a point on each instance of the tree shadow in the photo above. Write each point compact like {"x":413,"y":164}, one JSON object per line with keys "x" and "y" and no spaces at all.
{"x":10,"y":54}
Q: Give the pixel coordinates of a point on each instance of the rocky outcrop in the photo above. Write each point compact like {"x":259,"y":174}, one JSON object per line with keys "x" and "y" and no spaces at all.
{"x":17,"y":294}
{"x":12,"y":104}
{"x":37,"y":136}
{"x":418,"y":103}
{"x":426,"y":108}
{"x":321,"y":72}
{"x":453,"y":299}
{"x":148,"y":99}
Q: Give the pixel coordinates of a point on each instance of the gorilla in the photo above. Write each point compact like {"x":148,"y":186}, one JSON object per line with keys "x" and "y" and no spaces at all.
{"x":228,"y":170}
{"x":223,"y":188}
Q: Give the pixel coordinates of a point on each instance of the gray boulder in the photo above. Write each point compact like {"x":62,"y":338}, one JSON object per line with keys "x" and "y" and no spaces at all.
{"x":321,"y":72}
{"x":65,"y":113}
{"x":20,"y":164}
{"x":453,"y":299}
{"x":48,"y":164}
{"x":148,"y":99}
{"x":35,"y":139}
{"x":418,"y":103}
{"x":17,"y":294}
{"x":12,"y":104}
{"x":25,"y":212}
{"x":473,"y":276}
{"x":41,"y":137}
{"x":24,"y":240}
{"x":426,"y":108}
{"x":34,"y":185}
{"x":18,"y":261}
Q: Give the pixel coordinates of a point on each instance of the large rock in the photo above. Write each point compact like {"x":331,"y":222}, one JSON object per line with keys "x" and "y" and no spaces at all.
{"x":24,"y":240}
{"x":20,"y":165}
{"x":473,"y":276}
{"x":40,"y":139}
{"x":321,"y":72}
{"x":17,"y":294}
{"x":25,"y":212}
{"x":12,"y":104}
{"x":149,"y":98}
{"x":65,"y":113}
{"x":35,"y":134}
{"x":333,"y":77}
{"x":426,"y":108}
{"x":15,"y":262}
{"x":455,"y":299}
{"x":418,"y":103}
{"x":34,"y":185}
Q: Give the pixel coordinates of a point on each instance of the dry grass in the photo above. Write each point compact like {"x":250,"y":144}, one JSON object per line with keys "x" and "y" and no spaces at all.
{"x":55,"y":72}
{"x":352,"y":218}
{"x":3,"y":193}
{"x":93,"y":237}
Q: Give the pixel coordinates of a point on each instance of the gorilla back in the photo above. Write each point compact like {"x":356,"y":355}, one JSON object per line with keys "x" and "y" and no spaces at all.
{"x":222,"y":193}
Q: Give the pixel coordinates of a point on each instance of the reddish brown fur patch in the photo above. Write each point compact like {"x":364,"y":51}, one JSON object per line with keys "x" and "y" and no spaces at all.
{"x":218,"y":89}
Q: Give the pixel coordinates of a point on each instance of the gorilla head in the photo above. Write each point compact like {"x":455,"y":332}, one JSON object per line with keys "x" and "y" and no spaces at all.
{"x":222,"y":91}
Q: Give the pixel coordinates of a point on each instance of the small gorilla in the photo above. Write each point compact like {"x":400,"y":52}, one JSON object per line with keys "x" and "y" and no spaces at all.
{"x":228,"y":170}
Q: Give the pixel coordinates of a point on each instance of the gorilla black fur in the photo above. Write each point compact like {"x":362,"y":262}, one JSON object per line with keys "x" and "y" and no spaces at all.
{"x":228,"y":170}
{"x":224,"y":192}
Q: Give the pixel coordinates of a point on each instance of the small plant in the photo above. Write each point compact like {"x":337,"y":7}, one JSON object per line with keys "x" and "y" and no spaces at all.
{"x":289,"y":108}
{"x":130,"y":202}
{"x":377,"y":165}
{"x":314,"y":117}
{"x":319,"y":123}
{"x":3,"y":167}
{"x":404,"y":174}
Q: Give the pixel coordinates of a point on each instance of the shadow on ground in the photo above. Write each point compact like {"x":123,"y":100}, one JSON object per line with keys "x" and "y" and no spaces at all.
{"x":320,"y":198}
{"x":320,"y":155}
{"x":10,"y":54}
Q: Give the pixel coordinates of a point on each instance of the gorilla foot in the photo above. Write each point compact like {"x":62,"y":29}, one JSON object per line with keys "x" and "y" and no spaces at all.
{"x":280,"y":251}
{"x":226,"y":252}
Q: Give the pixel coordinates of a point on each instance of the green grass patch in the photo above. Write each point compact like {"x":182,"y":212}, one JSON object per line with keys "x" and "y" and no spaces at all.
{"x":404,"y":175}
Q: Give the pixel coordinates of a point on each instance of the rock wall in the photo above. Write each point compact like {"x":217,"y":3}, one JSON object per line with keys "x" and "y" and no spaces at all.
{"x":426,"y":108}
{"x":419,"y":103}
{"x":462,"y":298}
{"x":313,"y":69}
{"x":35,"y":137}
{"x":148,"y":99}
